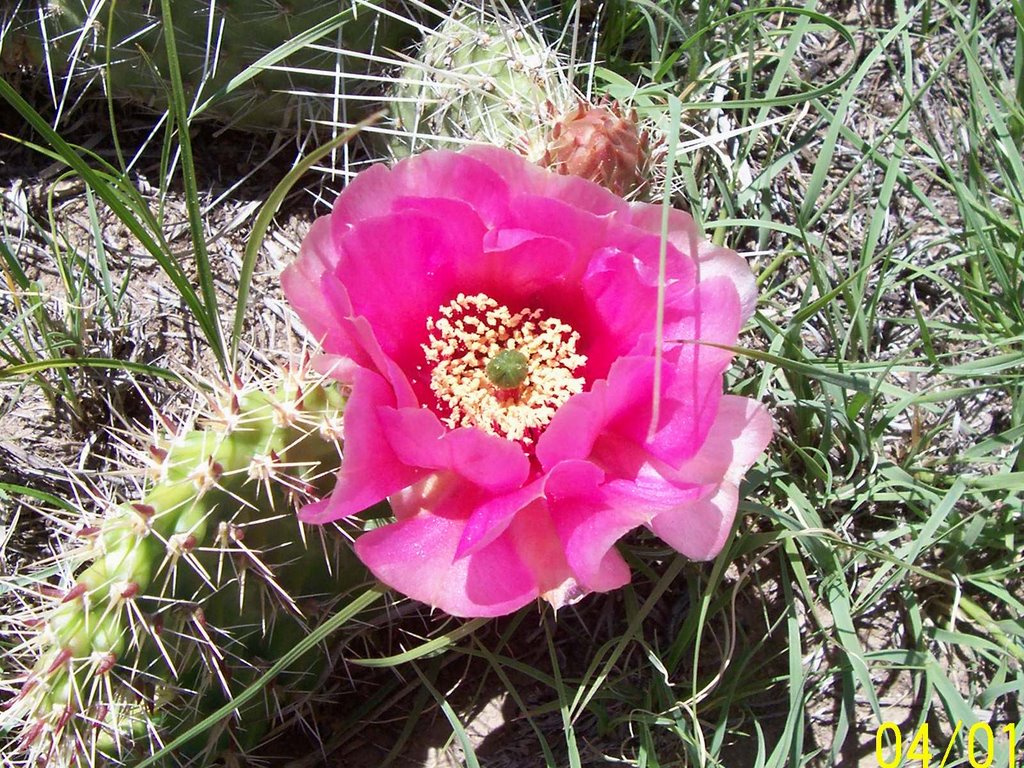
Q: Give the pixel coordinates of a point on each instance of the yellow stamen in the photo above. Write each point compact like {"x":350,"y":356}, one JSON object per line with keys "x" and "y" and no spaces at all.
{"x":469,"y":332}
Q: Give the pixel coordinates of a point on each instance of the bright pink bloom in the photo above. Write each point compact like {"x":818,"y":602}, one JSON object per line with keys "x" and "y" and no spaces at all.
{"x":420,"y":276}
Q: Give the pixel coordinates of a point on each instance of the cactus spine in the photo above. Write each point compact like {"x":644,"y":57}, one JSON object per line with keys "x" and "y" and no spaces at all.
{"x":480,"y":78}
{"x":190,"y":592}
{"x":495,"y":79}
{"x":216,"y":41}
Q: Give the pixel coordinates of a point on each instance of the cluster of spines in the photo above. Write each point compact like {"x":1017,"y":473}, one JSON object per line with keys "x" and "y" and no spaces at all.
{"x":187,"y":594}
{"x":215,"y":42}
{"x":480,"y":76}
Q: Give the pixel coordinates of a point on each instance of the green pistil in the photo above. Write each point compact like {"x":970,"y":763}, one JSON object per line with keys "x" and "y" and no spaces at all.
{"x":507,"y":369}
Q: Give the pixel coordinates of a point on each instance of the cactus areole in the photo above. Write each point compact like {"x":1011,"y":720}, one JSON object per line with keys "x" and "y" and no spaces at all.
{"x":496,"y":323}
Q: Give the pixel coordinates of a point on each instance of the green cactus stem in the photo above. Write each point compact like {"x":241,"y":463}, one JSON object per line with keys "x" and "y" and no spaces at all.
{"x":187,"y":594}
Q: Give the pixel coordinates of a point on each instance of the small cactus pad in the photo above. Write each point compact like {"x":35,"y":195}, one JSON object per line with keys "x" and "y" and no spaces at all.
{"x":480,"y":78}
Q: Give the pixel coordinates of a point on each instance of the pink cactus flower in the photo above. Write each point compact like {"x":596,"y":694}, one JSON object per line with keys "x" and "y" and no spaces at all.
{"x":496,"y":323}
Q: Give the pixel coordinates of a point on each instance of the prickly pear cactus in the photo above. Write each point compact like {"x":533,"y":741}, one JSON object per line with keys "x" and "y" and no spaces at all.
{"x":216,"y":41}
{"x":481,"y":77}
{"x":187,"y":594}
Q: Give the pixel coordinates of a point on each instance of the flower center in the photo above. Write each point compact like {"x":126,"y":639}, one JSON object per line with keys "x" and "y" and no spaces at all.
{"x":502,"y":371}
{"x":508,"y":369}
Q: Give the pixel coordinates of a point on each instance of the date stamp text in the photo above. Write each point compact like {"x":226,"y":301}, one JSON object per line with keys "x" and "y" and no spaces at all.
{"x":893,"y":748}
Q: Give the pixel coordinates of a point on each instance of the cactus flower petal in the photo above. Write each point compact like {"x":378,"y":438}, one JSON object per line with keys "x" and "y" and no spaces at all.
{"x":417,"y":555}
{"x":496,"y":323}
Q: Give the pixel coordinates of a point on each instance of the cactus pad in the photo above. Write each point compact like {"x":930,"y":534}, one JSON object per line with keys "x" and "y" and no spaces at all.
{"x":187,"y":594}
{"x":480,"y":78}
